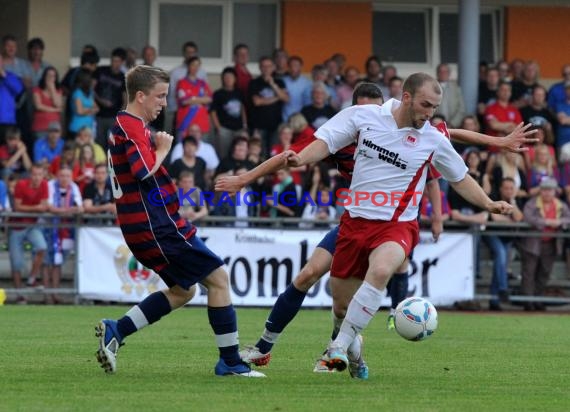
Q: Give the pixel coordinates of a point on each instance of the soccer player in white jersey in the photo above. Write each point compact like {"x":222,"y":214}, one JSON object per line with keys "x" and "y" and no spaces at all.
{"x":396,"y":143}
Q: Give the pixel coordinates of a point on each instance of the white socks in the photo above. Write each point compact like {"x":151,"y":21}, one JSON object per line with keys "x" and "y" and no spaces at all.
{"x":361,"y":310}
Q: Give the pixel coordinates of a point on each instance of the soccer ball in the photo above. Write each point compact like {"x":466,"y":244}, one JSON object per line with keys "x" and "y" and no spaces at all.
{"x":415,"y":319}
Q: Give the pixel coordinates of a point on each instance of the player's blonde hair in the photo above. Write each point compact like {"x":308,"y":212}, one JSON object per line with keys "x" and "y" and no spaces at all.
{"x":144,"y":78}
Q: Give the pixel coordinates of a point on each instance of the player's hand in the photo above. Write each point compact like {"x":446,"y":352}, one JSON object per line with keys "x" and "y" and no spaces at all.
{"x":229,"y":184}
{"x":163,"y":141}
{"x":436,"y":228}
{"x":293,"y":159}
{"x":518,"y":138}
{"x":500,"y":207}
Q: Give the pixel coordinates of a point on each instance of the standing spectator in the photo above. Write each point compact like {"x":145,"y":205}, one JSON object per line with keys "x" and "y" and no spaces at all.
{"x":487,"y":92}
{"x":30,"y":196}
{"x":49,"y":147}
{"x":396,"y":88}
{"x":189,"y":49}
{"x":193,"y":95}
{"x":563,"y":113}
{"x":98,"y":196}
{"x":35,"y":65}
{"x":254,"y":151}
{"x":504,"y":71}
{"x":557,"y":94}
{"x":11,"y":87}
{"x":14,"y":155}
{"x":189,"y":162}
{"x":281,"y":60}
{"x":537,"y":112}
{"x":516,"y":69}
{"x":522,"y":88}
{"x":83,"y":107}
{"x":319,"y":73}
{"x":297,"y":86}
{"x":64,"y":199}
{"x":500,"y":245}
{"x":548,"y":214}
{"x":188,"y":210}
{"x":227,"y":111}
{"x":452,"y":106}
{"x":243,"y":76}
{"x":131,"y":56}
{"x":345,"y":90}
{"x":12,"y":62}
{"x":388,"y":72}
{"x":319,"y":111}
{"x":508,"y":164}
{"x":541,"y":135}
{"x":109,"y":94}
{"x":48,"y":102}
{"x":501,"y":117}
{"x":267,"y":97}
{"x":373,"y":70}
{"x":148,"y":55}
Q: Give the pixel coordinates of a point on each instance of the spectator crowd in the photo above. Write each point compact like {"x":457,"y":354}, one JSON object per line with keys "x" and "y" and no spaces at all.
{"x":54,"y":129}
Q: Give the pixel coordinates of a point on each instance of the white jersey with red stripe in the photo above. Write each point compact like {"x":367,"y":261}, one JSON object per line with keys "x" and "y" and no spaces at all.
{"x":390,"y":163}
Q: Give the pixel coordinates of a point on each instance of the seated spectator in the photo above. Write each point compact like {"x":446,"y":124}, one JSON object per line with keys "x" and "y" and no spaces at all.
{"x":541,"y":135}
{"x":86,"y":162}
{"x":30,"y":196}
{"x":64,"y":201}
{"x":548,"y":214}
{"x":254,"y":150}
{"x":49,"y":147}
{"x":48,"y":102}
{"x":511,"y":165}
{"x":319,"y":111}
{"x":287,"y":193}
{"x":542,"y":167}
{"x":66,"y":159}
{"x":523,"y":87}
{"x":231,"y":207}
{"x":193,"y":97}
{"x":319,"y":73}
{"x":98,"y":197}
{"x":426,"y":209}
{"x":85,"y":136}
{"x":227,"y":111}
{"x":191,"y":211}
{"x":14,"y":155}
{"x":471,"y":123}
{"x":322,"y":213}
{"x":500,"y":245}
{"x":205,"y":150}
{"x":237,"y":158}
{"x":189,"y":162}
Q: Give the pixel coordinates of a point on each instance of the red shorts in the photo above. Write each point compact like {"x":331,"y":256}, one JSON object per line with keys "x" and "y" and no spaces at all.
{"x":358,"y":237}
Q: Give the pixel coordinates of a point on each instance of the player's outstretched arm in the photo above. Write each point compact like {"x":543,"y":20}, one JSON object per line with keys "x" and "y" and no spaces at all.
{"x":233,"y":184}
{"x":313,"y":153}
{"x":470,"y":190}
{"x":513,"y":142}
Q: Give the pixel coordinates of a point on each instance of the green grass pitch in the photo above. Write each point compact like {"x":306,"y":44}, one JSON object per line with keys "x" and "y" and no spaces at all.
{"x":473,"y":362}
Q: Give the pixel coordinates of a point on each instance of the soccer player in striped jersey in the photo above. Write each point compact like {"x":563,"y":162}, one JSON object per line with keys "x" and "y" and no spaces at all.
{"x":158,"y":237}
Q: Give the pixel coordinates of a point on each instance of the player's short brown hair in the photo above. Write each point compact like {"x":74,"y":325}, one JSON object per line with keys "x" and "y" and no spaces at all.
{"x":144,"y":78}
{"x":417,"y":80}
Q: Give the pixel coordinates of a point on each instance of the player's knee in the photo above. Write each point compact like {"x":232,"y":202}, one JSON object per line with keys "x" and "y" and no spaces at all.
{"x":339,"y":309}
{"x":308,"y":276}
{"x":218,"y":279}
{"x":179,"y":297}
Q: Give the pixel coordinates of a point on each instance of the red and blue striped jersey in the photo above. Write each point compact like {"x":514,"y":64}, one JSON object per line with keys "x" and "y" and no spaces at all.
{"x":147,"y":206}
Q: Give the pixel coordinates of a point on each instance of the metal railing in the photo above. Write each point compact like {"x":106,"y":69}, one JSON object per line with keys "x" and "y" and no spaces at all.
{"x":9,"y":220}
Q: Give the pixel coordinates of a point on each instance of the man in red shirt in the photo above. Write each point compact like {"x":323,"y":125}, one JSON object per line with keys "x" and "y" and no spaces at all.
{"x":243,"y":76}
{"x":30,"y":196}
{"x":501,"y":117}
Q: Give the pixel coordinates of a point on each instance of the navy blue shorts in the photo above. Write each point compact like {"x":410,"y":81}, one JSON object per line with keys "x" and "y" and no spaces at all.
{"x":329,"y":241}
{"x":189,"y":262}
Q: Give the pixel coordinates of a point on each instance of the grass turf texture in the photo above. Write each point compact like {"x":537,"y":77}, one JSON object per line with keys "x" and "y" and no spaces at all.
{"x":473,"y":362}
